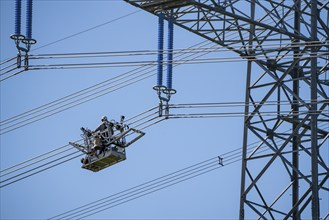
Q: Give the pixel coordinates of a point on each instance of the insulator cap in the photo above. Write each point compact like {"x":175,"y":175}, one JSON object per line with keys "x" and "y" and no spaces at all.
{"x":170,"y":91}
{"x":29,"y":41}
{"x":159,"y":88}
{"x":17,"y":37}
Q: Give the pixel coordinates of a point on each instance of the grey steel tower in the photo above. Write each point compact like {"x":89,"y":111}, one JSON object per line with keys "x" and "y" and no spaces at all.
{"x":286,"y":45}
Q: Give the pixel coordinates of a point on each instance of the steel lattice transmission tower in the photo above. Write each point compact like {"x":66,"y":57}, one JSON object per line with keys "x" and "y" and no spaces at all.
{"x":286,"y":45}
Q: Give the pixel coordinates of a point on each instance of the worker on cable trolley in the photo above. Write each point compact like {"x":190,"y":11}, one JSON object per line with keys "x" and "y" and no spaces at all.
{"x":102,"y":135}
{"x":106,"y":145}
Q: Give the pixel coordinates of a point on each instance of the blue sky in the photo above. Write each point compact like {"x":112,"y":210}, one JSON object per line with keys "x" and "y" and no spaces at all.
{"x":167,"y":147}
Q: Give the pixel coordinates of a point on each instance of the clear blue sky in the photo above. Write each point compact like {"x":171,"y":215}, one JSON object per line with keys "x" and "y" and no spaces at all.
{"x":166,"y":147}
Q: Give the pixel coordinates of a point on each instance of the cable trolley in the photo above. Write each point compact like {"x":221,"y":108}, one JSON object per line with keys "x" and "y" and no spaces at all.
{"x":106,"y":145}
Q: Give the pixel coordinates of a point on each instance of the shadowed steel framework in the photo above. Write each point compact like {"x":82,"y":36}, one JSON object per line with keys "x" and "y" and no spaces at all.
{"x":286,"y":46}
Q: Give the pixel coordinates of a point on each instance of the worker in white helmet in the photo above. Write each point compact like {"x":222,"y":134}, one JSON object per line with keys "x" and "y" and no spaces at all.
{"x":102,"y":134}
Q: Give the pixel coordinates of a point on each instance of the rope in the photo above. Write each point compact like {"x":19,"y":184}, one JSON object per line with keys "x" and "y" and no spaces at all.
{"x":96,"y":91}
{"x":157,"y":184}
{"x":162,"y":182}
{"x":53,"y":154}
{"x":180,"y":61}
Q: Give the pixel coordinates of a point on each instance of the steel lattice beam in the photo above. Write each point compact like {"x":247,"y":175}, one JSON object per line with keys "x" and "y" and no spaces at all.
{"x":286,"y":45}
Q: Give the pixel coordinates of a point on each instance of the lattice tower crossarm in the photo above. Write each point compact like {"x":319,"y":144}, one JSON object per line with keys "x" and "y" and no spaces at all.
{"x":288,"y":43}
